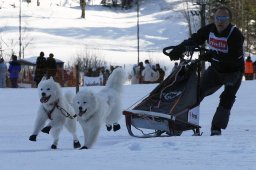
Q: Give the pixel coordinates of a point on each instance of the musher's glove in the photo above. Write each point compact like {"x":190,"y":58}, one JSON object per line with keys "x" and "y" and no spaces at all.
{"x":186,"y":45}
{"x":189,"y":45}
{"x":176,"y":52}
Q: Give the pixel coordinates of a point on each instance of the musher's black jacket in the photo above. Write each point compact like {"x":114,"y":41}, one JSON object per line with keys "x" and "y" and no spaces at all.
{"x":230,"y":61}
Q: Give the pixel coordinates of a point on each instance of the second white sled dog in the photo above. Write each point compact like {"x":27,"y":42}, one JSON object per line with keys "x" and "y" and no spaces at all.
{"x":95,"y":109}
{"x":57,"y":109}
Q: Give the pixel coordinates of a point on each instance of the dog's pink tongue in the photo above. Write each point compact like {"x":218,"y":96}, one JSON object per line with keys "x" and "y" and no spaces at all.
{"x":82,"y":112}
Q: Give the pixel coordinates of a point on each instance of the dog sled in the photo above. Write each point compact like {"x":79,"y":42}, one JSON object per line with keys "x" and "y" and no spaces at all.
{"x":173,"y":106}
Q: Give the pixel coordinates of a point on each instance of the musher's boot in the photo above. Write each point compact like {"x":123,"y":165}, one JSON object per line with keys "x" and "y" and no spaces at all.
{"x":220,"y":120}
{"x":215,"y":131}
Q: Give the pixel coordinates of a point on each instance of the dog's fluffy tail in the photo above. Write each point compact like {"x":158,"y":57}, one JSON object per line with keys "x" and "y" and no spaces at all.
{"x":116,"y":79}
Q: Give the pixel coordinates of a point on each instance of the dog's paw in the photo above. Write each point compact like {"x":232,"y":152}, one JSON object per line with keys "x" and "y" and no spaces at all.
{"x":116,"y":127}
{"x":76,"y":144}
{"x":53,"y":146}
{"x":109,"y":127}
{"x":84,"y":147}
{"x":46,"y":129}
{"x":32,"y":138}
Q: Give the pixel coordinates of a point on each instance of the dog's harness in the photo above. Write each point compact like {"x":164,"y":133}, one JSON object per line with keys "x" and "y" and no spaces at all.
{"x":49,"y":114}
{"x":62,"y":110}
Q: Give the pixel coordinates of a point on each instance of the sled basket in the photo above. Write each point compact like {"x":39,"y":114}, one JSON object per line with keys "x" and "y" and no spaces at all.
{"x":171,"y":108}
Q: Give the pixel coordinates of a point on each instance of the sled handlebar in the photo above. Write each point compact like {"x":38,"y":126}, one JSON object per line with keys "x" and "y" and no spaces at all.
{"x":166,"y":50}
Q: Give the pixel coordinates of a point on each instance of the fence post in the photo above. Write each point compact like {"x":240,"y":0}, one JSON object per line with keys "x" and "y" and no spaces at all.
{"x":77,"y":78}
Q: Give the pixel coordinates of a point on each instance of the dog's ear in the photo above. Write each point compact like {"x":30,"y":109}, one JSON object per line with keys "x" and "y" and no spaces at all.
{"x":51,"y":78}
{"x":43,"y":78}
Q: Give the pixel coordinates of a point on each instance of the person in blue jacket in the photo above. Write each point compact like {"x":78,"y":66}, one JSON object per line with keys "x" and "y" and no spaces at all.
{"x":225,"y":54}
{"x":14,"y":70}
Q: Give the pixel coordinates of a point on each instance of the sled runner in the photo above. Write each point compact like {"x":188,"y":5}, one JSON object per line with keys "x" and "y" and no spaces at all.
{"x":173,"y":106}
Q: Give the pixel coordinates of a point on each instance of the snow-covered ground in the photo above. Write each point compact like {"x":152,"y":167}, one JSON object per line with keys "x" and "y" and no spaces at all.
{"x":235,"y":149}
{"x":112,"y":33}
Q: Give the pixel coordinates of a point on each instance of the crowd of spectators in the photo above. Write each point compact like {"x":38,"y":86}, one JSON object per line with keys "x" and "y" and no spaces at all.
{"x":101,"y":72}
{"x":124,"y":4}
{"x":145,"y":73}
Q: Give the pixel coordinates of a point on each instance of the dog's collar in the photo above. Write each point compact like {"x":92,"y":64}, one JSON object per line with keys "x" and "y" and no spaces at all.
{"x":54,"y":103}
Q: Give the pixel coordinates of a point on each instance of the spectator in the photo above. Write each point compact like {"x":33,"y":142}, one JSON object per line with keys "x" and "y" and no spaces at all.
{"x":161,"y":73}
{"x":114,"y":3}
{"x":40,"y":68}
{"x":155,"y":74}
{"x":51,"y":66}
{"x":111,"y":69}
{"x":106,"y":74}
{"x":254,"y":69}
{"x":141,"y":66}
{"x":175,"y":66}
{"x":14,"y":70}
{"x":135,"y":74}
{"x":248,"y":71}
{"x":126,"y":4}
{"x":103,"y":2}
{"x":148,"y":74}
{"x":147,"y":63}
{"x":89,"y":72}
{"x":3,"y":73}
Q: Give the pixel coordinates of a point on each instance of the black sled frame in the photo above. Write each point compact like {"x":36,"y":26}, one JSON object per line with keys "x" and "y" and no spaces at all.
{"x":165,"y":123}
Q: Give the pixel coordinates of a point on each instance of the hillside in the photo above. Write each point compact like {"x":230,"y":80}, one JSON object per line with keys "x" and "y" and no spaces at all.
{"x":56,"y":27}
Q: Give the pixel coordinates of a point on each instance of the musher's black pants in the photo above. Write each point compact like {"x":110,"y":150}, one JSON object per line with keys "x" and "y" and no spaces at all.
{"x":210,"y":82}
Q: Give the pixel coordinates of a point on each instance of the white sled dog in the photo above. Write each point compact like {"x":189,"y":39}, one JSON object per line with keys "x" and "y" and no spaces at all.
{"x":58,"y":110}
{"x":95,"y":109}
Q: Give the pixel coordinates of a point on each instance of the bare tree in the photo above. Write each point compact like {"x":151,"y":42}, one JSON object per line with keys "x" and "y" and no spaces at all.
{"x":26,"y":40}
{"x":8,"y":46}
{"x":89,"y":59}
{"x":187,"y":16}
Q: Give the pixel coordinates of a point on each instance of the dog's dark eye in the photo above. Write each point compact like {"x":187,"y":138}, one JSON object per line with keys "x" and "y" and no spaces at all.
{"x":78,"y":102}
{"x":41,"y":89}
{"x":84,"y":102}
{"x":48,"y":88}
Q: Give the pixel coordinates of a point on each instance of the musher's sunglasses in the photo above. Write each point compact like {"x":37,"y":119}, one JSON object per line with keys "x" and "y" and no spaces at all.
{"x":222,"y":18}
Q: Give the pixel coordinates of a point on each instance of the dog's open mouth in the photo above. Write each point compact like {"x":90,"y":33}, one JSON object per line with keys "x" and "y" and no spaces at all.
{"x":45,"y":99}
{"x":82,"y":112}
